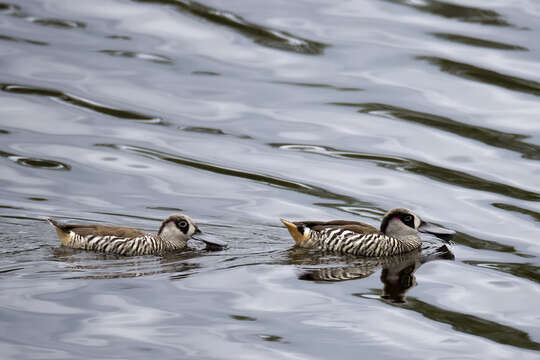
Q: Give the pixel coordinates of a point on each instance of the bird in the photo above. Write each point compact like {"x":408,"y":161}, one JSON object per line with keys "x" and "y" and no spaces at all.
{"x":398,"y":234}
{"x":173,"y":235}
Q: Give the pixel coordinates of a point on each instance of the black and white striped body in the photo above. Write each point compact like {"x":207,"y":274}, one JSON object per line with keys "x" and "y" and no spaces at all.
{"x":173,"y":235}
{"x":142,"y":245}
{"x":398,"y":234}
{"x":350,"y":242}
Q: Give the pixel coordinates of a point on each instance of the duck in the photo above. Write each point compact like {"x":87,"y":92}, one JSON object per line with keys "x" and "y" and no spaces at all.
{"x":173,"y":235}
{"x":398,"y":234}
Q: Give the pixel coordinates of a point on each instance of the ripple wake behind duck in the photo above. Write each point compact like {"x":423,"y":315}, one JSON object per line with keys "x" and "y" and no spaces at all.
{"x":398,"y":234}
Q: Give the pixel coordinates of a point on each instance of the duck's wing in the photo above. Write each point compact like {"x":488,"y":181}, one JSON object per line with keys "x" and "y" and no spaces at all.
{"x":85,"y":230}
{"x":354,"y":226}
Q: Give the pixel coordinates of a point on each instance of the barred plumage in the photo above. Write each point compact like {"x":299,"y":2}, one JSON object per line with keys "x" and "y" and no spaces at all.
{"x":173,"y":235}
{"x":398,"y":234}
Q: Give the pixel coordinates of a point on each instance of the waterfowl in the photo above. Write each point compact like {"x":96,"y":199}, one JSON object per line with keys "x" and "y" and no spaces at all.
{"x":173,"y":235}
{"x":398,"y":234}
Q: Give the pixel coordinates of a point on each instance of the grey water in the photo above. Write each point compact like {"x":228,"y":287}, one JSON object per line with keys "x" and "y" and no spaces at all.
{"x":238,"y":113}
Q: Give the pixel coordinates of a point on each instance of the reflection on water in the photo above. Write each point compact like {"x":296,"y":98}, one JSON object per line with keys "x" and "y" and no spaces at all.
{"x":314,"y":109}
{"x":397,"y":274}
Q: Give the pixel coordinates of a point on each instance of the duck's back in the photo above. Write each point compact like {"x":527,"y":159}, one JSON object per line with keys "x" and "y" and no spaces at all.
{"x":357,"y":227}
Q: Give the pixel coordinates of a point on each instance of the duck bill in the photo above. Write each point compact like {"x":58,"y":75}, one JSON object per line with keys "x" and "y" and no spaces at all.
{"x":298,"y":237}
{"x":442,"y":233}
{"x":211,"y":242}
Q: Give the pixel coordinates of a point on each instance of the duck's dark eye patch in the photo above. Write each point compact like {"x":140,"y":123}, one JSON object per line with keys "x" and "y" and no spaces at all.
{"x":408,"y":220}
{"x":183,"y":226}
{"x":300,"y":229}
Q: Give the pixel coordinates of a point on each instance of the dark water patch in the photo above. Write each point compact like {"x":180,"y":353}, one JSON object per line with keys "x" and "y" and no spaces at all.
{"x":317,"y":85}
{"x":4,"y":271}
{"x":21,"y":40}
{"x":468,"y":40}
{"x":35,"y":162}
{"x":6,"y":8}
{"x":457,"y":12}
{"x":243,"y":318}
{"x":475,"y":73}
{"x":205,"y":73}
{"x":4,"y":132}
{"x":272,"y":338}
{"x":160,"y":59}
{"x":221,"y":170}
{"x":203,"y":130}
{"x":483,"y":244}
{"x":58,"y":23}
{"x":529,"y":213}
{"x":474,"y":325}
{"x":165,"y":208}
{"x":11,"y":207}
{"x":261,"y":35}
{"x":212,"y":131}
{"x":118,"y":37}
{"x":523,"y":270}
{"x":485,"y":135}
{"x":37,"y":199}
{"x":78,"y":101}
{"x":15,"y":10}
{"x":438,"y":173}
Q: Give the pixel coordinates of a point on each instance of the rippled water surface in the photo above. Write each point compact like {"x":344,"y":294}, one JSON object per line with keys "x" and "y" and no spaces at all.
{"x":239,"y":113}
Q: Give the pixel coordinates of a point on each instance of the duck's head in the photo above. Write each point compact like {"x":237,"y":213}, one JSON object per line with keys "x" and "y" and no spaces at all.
{"x":400,"y":222}
{"x":180,"y":228}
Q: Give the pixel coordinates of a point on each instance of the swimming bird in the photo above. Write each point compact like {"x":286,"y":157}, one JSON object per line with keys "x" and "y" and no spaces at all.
{"x":398,"y":234}
{"x":173,"y":235}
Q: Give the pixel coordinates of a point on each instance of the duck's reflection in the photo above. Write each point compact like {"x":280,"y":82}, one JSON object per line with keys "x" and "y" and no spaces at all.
{"x":397,"y":273}
{"x":82,"y":264}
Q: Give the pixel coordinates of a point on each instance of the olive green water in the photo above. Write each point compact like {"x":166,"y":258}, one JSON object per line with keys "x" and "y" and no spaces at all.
{"x":239,"y":113}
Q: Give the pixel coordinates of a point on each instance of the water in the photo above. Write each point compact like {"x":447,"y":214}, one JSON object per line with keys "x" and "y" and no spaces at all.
{"x":239,"y":113}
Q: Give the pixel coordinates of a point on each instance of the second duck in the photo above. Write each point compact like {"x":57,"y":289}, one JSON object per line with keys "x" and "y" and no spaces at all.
{"x":398,"y":234}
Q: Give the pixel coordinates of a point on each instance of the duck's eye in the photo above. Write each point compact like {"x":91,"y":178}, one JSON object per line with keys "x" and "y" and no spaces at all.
{"x":407,"y":218}
{"x":183,"y":225}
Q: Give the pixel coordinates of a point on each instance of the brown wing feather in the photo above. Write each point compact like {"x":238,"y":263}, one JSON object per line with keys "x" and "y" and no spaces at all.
{"x":98,"y":230}
{"x":354,"y":226}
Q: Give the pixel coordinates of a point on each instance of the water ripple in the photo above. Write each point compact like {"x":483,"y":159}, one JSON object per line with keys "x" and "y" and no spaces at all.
{"x":485,"y":135}
{"x":160,"y":59}
{"x":445,"y":175}
{"x":473,"y":41}
{"x":202,"y":165}
{"x":35,"y":162}
{"x":474,"y":325}
{"x":454,"y":11}
{"x":79,"y":102}
{"x":265,"y":36}
{"x":471,"y":72}
{"x":21,"y":40}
